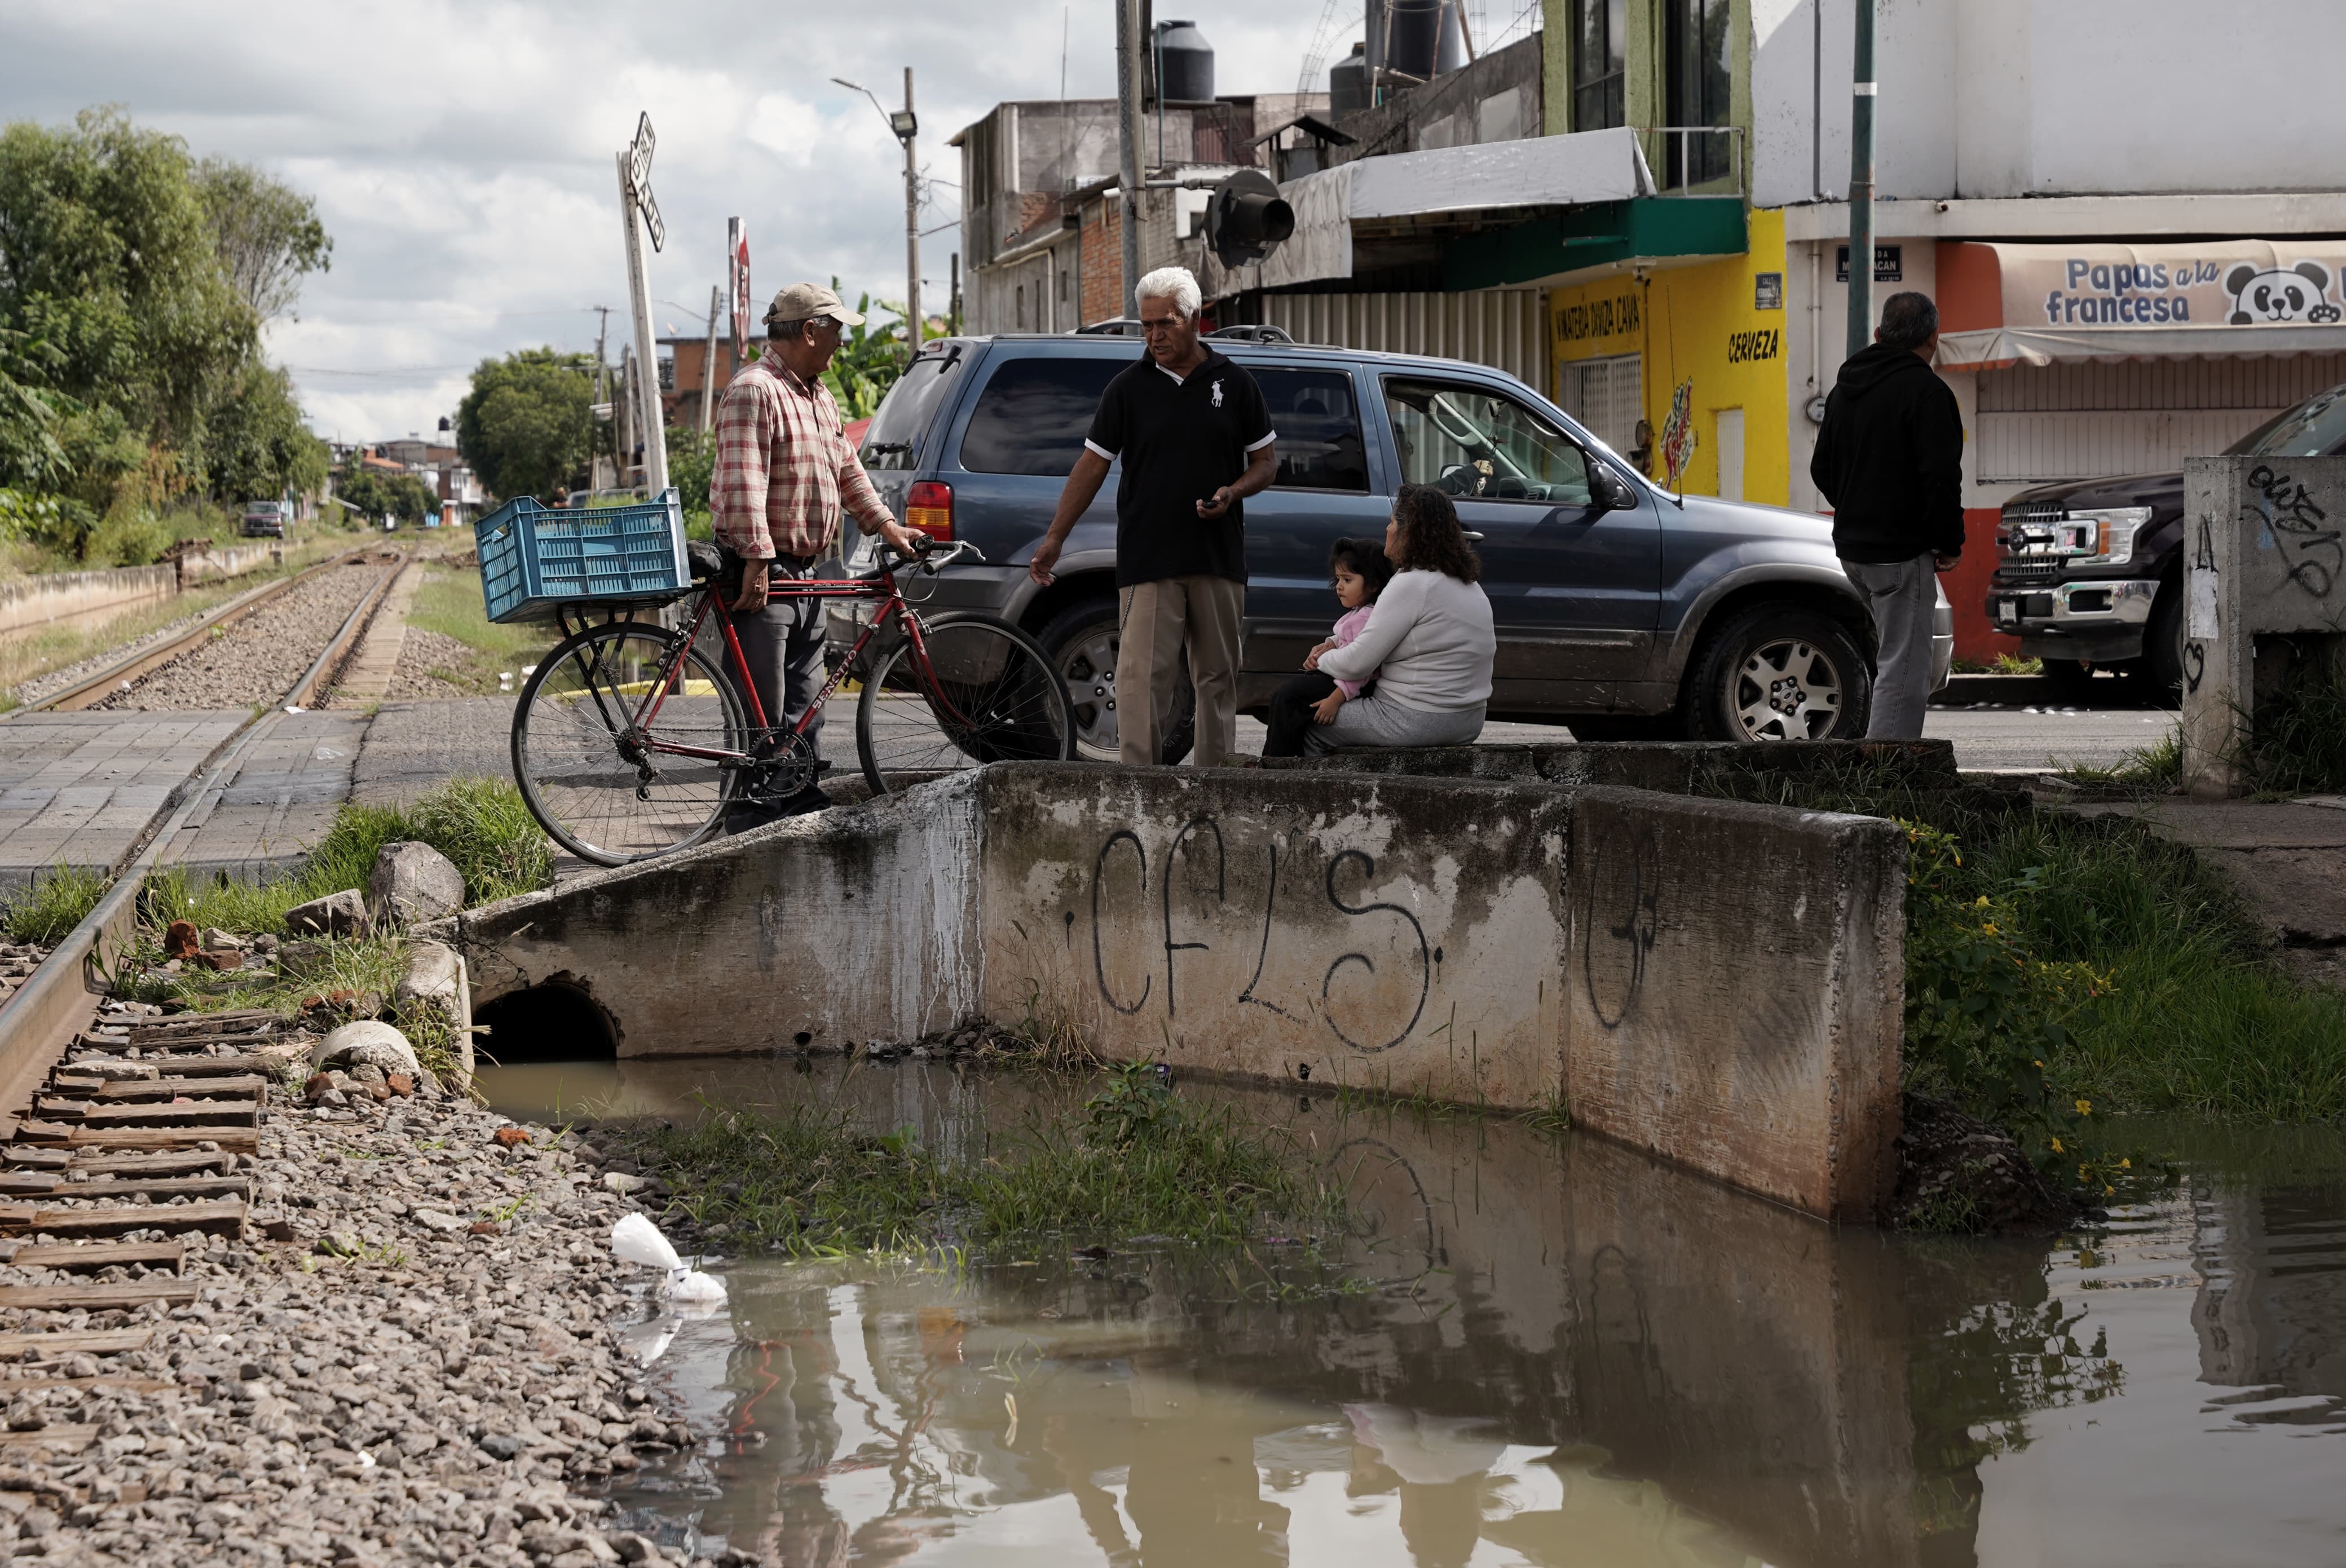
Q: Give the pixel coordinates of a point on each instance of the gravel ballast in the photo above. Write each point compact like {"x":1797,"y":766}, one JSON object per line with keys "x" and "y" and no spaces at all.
{"x":257,"y":659}
{"x":413,"y":1355}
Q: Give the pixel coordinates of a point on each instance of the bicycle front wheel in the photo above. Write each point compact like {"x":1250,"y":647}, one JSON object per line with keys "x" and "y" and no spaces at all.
{"x":986,"y":692}
{"x":609,"y":785}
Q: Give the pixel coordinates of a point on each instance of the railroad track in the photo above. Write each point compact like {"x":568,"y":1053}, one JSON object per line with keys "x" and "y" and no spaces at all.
{"x":54,"y":1011}
{"x":129,"y":1155}
{"x":95,"y":687}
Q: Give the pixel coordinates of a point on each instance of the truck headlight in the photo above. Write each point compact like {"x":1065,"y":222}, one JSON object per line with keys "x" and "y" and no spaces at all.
{"x":2102,"y":536}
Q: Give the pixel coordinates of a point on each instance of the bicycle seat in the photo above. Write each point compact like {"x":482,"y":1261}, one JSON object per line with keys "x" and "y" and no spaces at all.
{"x":703,"y":558}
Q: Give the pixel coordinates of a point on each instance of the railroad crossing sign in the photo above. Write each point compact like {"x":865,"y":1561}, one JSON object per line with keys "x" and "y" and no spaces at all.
{"x":639,"y":179}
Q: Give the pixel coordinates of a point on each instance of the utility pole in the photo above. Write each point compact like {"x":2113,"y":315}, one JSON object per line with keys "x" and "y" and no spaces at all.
{"x":1861,"y":185}
{"x":624,"y":416}
{"x":708,"y":360}
{"x":907,"y":126}
{"x":1127,"y":142}
{"x":637,"y":212}
{"x":603,"y":396}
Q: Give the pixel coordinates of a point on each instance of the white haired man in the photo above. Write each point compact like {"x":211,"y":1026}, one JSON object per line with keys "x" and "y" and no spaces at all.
{"x":1195,"y":441}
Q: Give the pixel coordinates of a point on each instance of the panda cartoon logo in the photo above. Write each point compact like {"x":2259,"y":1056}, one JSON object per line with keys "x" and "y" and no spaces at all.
{"x":2264,"y":298}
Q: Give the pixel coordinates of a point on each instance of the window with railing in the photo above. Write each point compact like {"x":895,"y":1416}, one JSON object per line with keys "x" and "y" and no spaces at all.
{"x":1599,"y":32}
{"x":1698,"y":82}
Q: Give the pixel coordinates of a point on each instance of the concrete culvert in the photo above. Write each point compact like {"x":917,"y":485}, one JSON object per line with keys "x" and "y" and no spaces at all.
{"x":548,"y":1023}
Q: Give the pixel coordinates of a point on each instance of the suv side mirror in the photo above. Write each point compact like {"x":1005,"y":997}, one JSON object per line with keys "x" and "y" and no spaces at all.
{"x":1609,"y":490}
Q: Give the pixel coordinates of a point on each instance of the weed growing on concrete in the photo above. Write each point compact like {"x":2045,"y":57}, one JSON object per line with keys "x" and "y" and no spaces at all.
{"x":2151,"y":769}
{"x":57,"y":900}
{"x":2297,"y":743}
{"x":480,"y":824}
{"x":2194,"y":1013}
{"x":1054,"y":1037}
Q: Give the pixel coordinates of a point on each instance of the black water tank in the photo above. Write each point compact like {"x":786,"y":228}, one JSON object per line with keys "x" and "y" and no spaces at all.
{"x":1347,"y":83}
{"x":1185,"y":64}
{"x":1413,"y":37}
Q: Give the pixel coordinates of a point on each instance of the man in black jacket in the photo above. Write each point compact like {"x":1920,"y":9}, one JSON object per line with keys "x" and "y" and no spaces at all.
{"x":1889,"y":461}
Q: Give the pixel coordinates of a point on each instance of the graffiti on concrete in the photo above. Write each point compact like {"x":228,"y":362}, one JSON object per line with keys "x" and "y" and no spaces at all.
{"x":1099,"y":877}
{"x":1623,"y":913}
{"x":2312,"y":549}
{"x":1184,"y":918}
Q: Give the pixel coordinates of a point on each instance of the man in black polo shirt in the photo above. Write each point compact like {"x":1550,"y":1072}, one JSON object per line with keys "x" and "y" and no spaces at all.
{"x":1196,"y":440}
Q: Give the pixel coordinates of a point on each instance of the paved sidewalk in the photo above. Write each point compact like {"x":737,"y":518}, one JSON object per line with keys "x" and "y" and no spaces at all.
{"x":78,"y":789}
{"x":2287,"y":859}
{"x":288,"y":781}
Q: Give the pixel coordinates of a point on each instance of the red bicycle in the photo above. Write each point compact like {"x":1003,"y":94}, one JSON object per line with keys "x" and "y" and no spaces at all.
{"x":630,"y":741}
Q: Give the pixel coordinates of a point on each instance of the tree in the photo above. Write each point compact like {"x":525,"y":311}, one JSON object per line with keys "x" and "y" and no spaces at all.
{"x":257,"y":446}
{"x":375,"y":495}
{"x":267,"y":235}
{"x":31,"y":458}
{"x":106,"y":254}
{"x":525,"y":425}
{"x":868,"y":363}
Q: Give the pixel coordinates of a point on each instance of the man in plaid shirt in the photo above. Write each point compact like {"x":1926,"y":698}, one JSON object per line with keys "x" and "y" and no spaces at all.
{"x":784,"y":470}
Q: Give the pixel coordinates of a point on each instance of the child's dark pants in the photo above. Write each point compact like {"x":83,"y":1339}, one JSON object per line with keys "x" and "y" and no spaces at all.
{"x":1290,"y":712}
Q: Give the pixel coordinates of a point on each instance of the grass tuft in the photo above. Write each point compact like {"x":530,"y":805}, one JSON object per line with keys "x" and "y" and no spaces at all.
{"x":2198,"y":1016}
{"x":482,"y":825}
{"x":2296,"y":744}
{"x":55,"y":902}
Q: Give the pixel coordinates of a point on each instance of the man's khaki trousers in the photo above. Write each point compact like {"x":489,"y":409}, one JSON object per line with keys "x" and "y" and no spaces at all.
{"x":1159,"y":618}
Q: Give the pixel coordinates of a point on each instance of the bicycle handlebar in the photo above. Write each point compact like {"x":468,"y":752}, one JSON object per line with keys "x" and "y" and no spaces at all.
{"x":934,"y":558}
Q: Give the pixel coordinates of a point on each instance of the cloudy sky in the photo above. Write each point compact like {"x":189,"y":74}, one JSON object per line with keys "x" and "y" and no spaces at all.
{"x":461,"y":154}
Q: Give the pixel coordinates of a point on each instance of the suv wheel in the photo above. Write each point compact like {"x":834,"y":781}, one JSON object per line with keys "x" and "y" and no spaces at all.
{"x":2160,"y":669}
{"x":1780,"y":672}
{"x":1082,"y":641}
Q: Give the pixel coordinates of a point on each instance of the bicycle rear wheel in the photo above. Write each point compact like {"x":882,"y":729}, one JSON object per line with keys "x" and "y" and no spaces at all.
{"x":986,"y":693}
{"x":608,"y":792}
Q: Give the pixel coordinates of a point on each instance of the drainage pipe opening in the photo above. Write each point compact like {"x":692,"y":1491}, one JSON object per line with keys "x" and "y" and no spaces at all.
{"x":548,"y":1023}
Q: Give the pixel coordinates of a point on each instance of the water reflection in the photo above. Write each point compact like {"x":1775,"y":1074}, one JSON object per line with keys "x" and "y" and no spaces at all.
{"x":1565,"y":1355}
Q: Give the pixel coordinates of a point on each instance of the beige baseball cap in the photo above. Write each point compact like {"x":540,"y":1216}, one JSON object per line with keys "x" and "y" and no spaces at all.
{"x":805,"y":301}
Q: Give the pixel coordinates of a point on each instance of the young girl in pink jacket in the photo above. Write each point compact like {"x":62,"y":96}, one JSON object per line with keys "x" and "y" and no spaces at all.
{"x":1357,"y":571}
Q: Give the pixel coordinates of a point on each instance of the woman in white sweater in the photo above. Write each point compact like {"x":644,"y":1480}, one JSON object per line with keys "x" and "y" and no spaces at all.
{"x":1428,"y":643}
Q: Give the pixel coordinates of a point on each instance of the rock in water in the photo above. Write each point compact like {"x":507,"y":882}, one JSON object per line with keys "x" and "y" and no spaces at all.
{"x":412,"y":882}
{"x":1957,"y":1173}
{"x":368,"y":1043}
{"x":337,"y":914}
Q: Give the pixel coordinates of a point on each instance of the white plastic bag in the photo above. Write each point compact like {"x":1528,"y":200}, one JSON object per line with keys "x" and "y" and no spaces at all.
{"x":635,"y":1239}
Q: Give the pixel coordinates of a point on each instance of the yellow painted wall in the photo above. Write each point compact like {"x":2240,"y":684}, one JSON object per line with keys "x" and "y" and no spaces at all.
{"x":1698,"y":324}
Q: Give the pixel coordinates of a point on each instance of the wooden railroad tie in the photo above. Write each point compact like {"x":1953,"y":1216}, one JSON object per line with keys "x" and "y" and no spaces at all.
{"x":83,"y":1341}
{"x":27,"y":1158}
{"x":94,"y":1254}
{"x":225,"y":1217}
{"x":160,"y":1189}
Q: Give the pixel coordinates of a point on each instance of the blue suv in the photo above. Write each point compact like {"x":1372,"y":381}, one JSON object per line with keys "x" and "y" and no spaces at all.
{"x":1623,"y":611}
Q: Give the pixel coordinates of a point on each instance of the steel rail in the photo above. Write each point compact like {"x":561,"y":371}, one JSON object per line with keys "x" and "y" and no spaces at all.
{"x":58,"y":1000}
{"x":92,"y":689}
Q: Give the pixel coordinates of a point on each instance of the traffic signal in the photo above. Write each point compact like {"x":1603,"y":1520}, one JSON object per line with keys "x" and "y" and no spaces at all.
{"x":1246,"y":218}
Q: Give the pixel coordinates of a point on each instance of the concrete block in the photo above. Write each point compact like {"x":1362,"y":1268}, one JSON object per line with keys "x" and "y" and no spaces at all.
{"x":819,"y":933}
{"x":337,"y":914}
{"x":435,"y":981}
{"x":1678,"y":768}
{"x":1736,"y":991}
{"x":412,"y":882}
{"x":1399,"y":933}
{"x":1715,"y":982}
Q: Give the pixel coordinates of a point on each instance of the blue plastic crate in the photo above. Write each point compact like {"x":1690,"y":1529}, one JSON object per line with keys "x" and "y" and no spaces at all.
{"x":536,"y":557}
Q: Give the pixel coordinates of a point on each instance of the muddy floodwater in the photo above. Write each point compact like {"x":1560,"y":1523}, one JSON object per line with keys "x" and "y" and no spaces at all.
{"x":1556,"y":1352}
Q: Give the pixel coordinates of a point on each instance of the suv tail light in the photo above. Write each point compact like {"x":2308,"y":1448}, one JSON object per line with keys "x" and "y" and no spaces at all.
{"x":929,"y":510}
